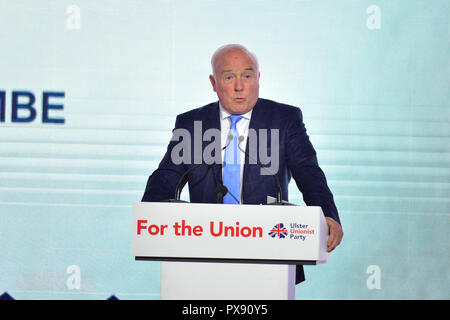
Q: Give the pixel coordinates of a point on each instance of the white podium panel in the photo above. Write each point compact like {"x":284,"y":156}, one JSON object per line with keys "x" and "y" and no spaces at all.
{"x":228,"y":233}
{"x":226,"y":281}
{"x":218,"y":251}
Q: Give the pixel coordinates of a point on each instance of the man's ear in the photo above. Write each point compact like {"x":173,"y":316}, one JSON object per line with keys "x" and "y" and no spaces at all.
{"x":213,"y":82}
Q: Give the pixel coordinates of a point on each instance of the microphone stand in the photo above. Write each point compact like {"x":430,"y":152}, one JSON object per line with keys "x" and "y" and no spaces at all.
{"x":279,"y":201}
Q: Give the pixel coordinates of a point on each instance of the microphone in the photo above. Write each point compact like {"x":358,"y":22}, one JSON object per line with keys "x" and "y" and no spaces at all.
{"x":180,"y":181}
{"x":279,"y":200}
{"x":230,"y":138}
{"x":155,"y":172}
{"x":221,"y":191}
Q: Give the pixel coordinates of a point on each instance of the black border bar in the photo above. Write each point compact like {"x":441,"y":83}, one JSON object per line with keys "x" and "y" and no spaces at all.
{"x":227,"y":260}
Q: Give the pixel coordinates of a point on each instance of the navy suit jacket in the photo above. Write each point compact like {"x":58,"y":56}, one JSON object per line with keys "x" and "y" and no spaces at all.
{"x":297,"y":160}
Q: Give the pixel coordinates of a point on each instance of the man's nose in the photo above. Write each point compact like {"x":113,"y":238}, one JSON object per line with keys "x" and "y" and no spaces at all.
{"x":238,"y":85}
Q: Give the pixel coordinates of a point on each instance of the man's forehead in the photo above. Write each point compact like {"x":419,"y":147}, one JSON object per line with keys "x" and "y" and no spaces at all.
{"x":235,"y":54}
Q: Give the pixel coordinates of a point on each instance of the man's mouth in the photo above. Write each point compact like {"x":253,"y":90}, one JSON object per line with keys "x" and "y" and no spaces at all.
{"x":239,"y":99}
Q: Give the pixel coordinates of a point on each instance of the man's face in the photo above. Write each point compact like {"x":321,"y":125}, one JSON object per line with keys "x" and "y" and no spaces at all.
{"x":236,"y":81}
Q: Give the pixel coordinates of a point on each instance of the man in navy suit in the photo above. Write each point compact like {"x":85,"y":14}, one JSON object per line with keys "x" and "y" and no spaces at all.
{"x":235,"y":79}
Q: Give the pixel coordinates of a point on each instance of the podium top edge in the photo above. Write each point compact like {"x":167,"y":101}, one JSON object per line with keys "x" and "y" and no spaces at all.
{"x":145,"y":203}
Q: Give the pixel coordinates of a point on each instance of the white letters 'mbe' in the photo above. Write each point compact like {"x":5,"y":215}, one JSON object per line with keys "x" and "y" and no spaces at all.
{"x":74,"y":280}
{"x":374,"y":20}
{"x":374,"y":280}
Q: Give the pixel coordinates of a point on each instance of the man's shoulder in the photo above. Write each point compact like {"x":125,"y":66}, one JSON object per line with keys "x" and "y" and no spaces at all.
{"x":267,"y":107}
{"x":200,"y":111}
{"x":277,"y":106}
{"x":279,"y":110}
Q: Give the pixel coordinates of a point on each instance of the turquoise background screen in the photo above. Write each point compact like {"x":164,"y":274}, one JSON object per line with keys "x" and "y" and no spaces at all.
{"x":372,"y":80}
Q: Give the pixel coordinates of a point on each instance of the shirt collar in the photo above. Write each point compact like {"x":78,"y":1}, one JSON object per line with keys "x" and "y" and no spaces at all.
{"x":225,"y":114}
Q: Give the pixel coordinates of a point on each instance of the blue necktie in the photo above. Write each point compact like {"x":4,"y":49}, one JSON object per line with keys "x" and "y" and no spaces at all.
{"x":232,"y":165}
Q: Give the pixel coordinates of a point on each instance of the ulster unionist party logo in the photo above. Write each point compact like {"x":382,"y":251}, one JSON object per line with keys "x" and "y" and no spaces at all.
{"x":296,"y":231}
{"x":279,"y":230}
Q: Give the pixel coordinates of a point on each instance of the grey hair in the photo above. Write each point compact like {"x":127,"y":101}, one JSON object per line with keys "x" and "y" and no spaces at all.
{"x":231,"y":47}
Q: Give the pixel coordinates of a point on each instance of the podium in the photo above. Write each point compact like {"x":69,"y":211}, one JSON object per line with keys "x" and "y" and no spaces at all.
{"x":224,"y":251}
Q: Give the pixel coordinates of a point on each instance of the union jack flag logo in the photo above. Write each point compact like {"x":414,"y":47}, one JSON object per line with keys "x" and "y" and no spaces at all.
{"x":278,"y":230}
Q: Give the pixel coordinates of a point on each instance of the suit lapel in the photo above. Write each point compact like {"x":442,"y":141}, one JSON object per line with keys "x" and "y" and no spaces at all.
{"x":213,"y":122}
{"x":257,"y":122}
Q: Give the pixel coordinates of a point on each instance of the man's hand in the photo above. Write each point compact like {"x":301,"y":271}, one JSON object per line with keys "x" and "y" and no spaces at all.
{"x":336,"y":234}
